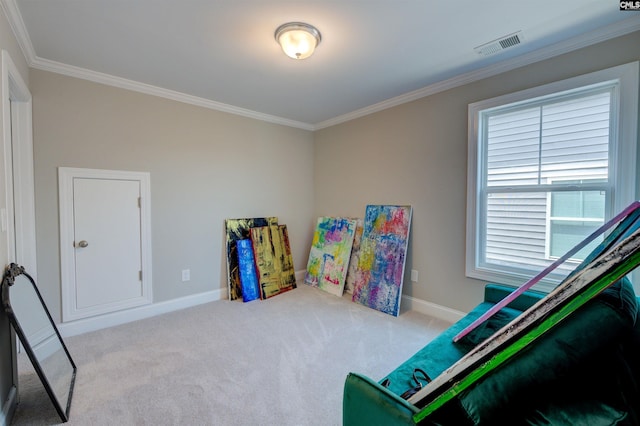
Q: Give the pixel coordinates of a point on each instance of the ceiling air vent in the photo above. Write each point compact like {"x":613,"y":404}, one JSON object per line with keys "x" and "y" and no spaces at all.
{"x":499,"y":44}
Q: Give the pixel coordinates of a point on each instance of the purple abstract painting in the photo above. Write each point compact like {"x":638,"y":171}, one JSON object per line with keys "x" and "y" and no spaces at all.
{"x":383,"y":250}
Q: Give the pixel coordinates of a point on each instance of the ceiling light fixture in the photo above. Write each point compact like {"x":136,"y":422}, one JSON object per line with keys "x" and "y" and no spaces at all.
{"x":298,"y":40}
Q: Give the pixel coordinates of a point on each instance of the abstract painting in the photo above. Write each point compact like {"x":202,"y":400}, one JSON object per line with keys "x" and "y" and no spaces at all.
{"x":274,"y":263}
{"x":383,"y":250}
{"x":238,"y":229}
{"x":355,"y":257}
{"x":247,"y":270}
{"x":330,"y":253}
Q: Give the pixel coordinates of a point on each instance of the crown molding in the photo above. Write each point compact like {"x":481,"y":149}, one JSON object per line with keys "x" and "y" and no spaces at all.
{"x":17,"y":25}
{"x":614,"y":30}
{"x":136,"y":86}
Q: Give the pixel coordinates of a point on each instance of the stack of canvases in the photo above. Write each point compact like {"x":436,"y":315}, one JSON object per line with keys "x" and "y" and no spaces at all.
{"x":259,"y":261}
{"x":368,"y":256}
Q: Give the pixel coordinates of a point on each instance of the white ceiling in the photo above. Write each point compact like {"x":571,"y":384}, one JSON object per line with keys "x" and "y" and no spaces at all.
{"x":374,"y":53}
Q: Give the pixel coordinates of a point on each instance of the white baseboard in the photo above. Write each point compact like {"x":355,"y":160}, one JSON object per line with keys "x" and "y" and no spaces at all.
{"x":112,"y":319}
{"x":9,"y":407}
{"x":431,"y":309}
{"x":418,"y":305}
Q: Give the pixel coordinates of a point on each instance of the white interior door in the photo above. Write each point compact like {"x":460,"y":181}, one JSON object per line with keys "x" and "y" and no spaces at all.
{"x":107,"y":241}
{"x":104,"y":241}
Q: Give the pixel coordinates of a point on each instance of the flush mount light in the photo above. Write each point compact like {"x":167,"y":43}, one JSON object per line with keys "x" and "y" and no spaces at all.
{"x":298,"y":40}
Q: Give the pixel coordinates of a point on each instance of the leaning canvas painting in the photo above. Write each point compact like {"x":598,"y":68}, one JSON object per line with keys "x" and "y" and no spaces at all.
{"x":329,"y":255}
{"x":355,"y":258}
{"x":238,"y":229}
{"x":247,"y":269}
{"x":383,"y":249}
{"x":274,"y":263}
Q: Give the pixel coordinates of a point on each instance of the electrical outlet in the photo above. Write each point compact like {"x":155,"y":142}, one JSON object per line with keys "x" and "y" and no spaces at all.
{"x":186,"y":274}
{"x":414,"y":276}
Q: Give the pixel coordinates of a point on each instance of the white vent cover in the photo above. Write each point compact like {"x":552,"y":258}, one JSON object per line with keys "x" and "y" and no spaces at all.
{"x":499,"y":44}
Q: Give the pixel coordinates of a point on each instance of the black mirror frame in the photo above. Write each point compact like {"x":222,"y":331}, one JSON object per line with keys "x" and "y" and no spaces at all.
{"x":8,"y":279}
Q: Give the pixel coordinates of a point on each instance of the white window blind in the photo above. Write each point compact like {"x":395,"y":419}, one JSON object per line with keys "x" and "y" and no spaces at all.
{"x":567,"y":138}
{"x":536,"y":153}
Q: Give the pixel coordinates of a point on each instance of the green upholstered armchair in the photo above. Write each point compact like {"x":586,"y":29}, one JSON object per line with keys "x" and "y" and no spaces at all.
{"x":584,"y":369}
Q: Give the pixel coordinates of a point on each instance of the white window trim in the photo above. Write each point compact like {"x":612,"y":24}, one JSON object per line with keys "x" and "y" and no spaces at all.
{"x":623,"y":159}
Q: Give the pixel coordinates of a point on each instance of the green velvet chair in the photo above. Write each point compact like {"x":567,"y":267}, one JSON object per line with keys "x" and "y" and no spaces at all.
{"x":582,"y":371}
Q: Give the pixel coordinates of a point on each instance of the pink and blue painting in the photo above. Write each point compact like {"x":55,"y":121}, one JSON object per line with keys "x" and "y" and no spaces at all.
{"x":383,"y":249}
{"x":247,"y":270}
{"x":330,"y":253}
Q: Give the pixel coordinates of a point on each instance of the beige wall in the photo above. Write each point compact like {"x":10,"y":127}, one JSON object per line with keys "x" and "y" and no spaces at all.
{"x":416,"y":154}
{"x":8,"y":43}
{"x":205,"y":166}
{"x":410,"y":154}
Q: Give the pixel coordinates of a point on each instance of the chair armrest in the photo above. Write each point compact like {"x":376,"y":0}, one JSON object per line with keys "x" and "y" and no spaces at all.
{"x":365,"y":402}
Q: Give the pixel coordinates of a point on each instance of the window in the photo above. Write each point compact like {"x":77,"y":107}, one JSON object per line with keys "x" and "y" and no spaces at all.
{"x":547,"y":167}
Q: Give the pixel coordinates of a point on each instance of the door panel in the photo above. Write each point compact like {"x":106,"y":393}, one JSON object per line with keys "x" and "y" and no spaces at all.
{"x":110,"y":211}
{"x":106,"y":217}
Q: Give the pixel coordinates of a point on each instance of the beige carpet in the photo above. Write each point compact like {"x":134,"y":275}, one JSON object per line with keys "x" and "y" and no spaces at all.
{"x":282,"y":361}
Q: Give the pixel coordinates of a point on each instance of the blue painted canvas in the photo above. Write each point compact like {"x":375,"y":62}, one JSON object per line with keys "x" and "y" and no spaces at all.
{"x":247,"y":269}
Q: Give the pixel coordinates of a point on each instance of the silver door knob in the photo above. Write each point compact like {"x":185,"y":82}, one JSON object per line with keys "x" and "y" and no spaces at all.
{"x":83,"y":244}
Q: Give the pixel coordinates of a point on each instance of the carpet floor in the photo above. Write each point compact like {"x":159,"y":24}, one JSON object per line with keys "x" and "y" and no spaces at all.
{"x":282,"y":361}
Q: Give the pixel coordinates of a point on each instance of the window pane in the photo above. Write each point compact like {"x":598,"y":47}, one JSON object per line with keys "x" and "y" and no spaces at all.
{"x":565,"y":139}
{"x":593,"y":204}
{"x":578,"y":204}
{"x":516,"y":229}
{"x":566,"y":204}
{"x":565,"y":235}
{"x":516,"y":226}
{"x":575,"y":137}
{"x":513,"y":147}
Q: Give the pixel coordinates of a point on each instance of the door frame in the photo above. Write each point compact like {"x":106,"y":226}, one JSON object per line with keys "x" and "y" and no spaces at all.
{"x":19,"y":216}
{"x":18,"y":154}
{"x":66,"y":175}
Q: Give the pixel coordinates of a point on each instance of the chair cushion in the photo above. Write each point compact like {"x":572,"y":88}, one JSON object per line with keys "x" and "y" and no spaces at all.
{"x":592,"y":413}
{"x":438,"y":355}
{"x":523,"y":384}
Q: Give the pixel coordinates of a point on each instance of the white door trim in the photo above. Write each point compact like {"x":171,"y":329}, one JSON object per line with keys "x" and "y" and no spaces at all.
{"x":16,"y":109}
{"x":66,"y":175}
{"x":20,"y":217}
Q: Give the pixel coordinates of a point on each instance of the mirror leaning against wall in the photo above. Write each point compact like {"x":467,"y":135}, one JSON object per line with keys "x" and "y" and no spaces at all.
{"x":39,"y":336}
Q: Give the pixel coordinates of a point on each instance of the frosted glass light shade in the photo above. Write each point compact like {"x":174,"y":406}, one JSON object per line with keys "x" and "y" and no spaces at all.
{"x":297,"y":39}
